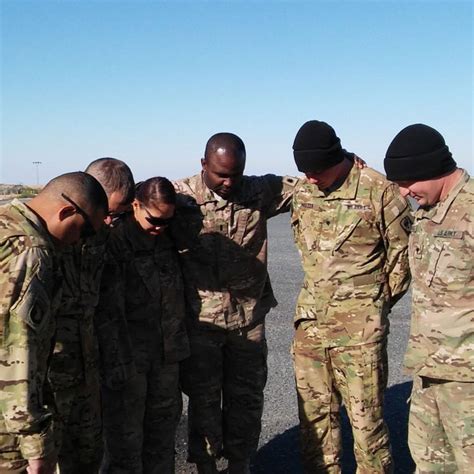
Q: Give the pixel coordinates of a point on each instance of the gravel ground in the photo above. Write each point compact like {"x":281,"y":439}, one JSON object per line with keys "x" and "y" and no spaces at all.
{"x":278,"y":450}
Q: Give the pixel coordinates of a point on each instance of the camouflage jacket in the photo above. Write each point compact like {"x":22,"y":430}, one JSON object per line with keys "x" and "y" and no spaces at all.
{"x":223,"y":248}
{"x":29,"y":299}
{"x":75,"y":357}
{"x":441,"y":341}
{"x":142,"y":292}
{"x":353,"y":243}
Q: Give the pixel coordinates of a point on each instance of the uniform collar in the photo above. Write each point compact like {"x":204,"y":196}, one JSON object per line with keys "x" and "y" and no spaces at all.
{"x":204,"y":194}
{"x":96,"y":240}
{"x":33,"y":219}
{"x":347,"y":190}
{"x":138,"y":239}
{"x":438,"y":212}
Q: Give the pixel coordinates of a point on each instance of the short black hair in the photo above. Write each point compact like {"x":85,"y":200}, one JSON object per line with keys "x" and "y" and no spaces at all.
{"x":81,"y":187}
{"x":225,"y":140}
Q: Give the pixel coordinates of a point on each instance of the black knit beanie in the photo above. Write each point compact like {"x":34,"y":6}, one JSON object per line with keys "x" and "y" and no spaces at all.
{"x":316,"y":147}
{"x":418,"y":153}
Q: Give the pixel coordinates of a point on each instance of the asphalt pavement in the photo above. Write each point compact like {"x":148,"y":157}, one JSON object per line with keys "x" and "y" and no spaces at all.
{"x":278,"y":449}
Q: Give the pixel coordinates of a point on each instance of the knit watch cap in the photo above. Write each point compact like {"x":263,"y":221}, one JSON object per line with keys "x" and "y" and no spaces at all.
{"x":316,"y":147}
{"x":418,"y":153}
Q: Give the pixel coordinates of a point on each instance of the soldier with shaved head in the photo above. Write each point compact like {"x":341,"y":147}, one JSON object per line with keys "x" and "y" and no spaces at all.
{"x":70,"y":207}
{"x":221,"y":234}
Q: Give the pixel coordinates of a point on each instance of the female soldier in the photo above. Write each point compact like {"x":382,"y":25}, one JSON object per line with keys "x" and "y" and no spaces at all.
{"x":143,"y":298}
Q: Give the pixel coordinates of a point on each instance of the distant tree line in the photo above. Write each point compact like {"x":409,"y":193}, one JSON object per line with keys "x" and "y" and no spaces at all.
{"x":18,"y":190}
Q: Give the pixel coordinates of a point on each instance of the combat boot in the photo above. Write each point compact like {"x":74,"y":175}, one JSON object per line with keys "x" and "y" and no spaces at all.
{"x":241,"y":466}
{"x":208,"y":467}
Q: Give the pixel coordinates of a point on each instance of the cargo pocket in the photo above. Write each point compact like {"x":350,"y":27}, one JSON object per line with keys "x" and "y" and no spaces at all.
{"x":449,"y":268}
{"x":375,"y":373}
{"x":433,"y":268}
{"x":346,"y":233}
{"x":310,"y":230}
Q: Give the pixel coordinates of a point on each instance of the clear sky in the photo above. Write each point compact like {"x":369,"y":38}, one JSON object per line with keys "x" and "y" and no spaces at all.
{"x":148,"y":81}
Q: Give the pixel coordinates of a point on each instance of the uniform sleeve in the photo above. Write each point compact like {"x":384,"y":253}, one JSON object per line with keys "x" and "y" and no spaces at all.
{"x":295,"y":222}
{"x":280,"y":193}
{"x":396,"y":229}
{"x":27,"y":329}
{"x":116,"y":357}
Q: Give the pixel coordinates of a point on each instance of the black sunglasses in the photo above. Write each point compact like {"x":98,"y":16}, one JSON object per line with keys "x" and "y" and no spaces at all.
{"x":116,"y":217}
{"x":157,"y":221}
{"x":87,"y":229}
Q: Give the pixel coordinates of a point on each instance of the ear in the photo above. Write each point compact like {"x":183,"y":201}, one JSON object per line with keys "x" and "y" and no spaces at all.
{"x":65,"y":212}
{"x":203,"y":163}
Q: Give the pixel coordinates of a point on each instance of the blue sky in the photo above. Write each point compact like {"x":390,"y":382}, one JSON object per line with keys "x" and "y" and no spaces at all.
{"x":148,"y":82}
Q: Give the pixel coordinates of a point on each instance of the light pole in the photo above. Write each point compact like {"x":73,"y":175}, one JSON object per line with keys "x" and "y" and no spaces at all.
{"x":37,"y":163}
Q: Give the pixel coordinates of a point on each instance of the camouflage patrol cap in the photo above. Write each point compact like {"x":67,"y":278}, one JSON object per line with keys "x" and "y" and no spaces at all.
{"x":418,"y":152}
{"x":316,"y":147}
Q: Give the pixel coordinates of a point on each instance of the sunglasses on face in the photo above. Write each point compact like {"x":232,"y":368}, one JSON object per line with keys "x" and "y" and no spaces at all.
{"x":87,"y":229}
{"x":157,"y":221}
{"x":116,"y":217}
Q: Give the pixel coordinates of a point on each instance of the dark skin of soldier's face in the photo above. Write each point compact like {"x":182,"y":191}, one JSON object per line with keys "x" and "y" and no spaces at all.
{"x":223,"y":171}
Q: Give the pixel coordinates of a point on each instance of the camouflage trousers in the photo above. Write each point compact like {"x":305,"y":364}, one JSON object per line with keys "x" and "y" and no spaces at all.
{"x":325,"y":377}
{"x":224,"y":378}
{"x":79,"y":429}
{"x":441,"y":426}
{"x":140,"y":420}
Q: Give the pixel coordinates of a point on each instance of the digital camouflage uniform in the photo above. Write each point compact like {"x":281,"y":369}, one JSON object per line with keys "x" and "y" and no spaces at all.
{"x":29,"y":297}
{"x":223,"y":250}
{"x":73,"y":373}
{"x":143,"y":279}
{"x":441,"y":346}
{"x":353,"y":243}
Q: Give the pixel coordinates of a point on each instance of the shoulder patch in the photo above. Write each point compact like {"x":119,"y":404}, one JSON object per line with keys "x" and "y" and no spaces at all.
{"x":290,"y":180}
{"x":406,"y":224}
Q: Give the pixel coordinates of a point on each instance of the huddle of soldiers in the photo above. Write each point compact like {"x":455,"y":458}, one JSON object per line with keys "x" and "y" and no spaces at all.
{"x":116,"y":297}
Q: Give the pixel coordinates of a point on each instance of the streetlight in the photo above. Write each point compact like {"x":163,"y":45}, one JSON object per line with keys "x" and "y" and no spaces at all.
{"x":37,"y":163}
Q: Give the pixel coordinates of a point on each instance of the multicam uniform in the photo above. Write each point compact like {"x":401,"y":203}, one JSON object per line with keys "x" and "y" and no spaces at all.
{"x":223,"y":249}
{"x":142,"y":282}
{"x":73,"y":372}
{"x":441,"y":346}
{"x":29,"y":298}
{"x":353,"y":242}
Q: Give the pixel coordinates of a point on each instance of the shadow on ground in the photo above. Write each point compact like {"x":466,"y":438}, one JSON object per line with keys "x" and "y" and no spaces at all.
{"x":281,"y":454}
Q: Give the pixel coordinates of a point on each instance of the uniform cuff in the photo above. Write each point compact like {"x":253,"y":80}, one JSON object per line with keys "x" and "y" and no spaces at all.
{"x":38,"y":445}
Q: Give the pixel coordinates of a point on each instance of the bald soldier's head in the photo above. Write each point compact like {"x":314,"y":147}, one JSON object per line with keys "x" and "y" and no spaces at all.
{"x":223,"y":163}
{"x":117,"y":180}
{"x":72,"y":206}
